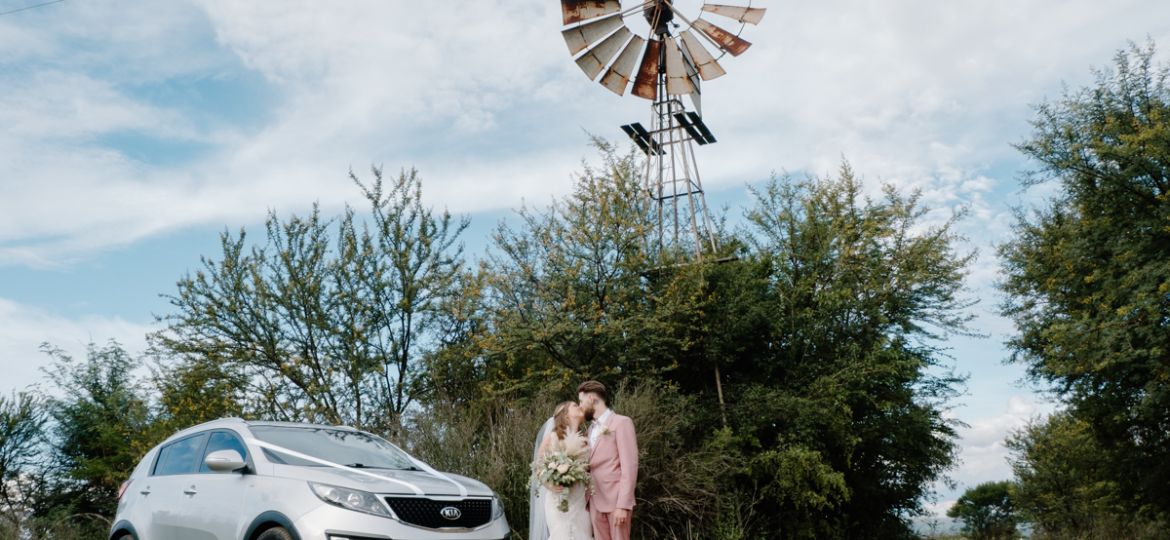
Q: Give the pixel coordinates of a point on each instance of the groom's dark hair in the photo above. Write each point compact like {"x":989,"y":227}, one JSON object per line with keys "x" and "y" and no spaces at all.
{"x":594,"y":387}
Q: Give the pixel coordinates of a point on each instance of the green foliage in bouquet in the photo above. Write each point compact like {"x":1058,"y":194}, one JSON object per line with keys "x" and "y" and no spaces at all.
{"x":564,"y":469}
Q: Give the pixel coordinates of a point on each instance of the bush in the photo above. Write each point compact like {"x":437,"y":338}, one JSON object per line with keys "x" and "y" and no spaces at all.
{"x":74,"y":527}
{"x":987,"y":511}
{"x":1110,"y":528}
{"x":489,"y":441}
{"x":678,"y":486}
{"x":493,"y":442}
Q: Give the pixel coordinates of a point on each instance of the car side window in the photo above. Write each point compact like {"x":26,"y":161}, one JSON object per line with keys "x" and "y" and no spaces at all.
{"x":222,"y":440}
{"x":181,"y":456}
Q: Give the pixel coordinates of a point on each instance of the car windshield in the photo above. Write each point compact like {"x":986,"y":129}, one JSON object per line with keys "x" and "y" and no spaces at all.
{"x":340,"y":446}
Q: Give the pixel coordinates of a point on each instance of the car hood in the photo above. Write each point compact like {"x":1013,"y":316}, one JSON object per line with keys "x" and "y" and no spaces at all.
{"x":387,"y":481}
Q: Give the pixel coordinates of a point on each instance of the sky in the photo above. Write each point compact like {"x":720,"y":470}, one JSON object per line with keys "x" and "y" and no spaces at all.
{"x":133,"y":133}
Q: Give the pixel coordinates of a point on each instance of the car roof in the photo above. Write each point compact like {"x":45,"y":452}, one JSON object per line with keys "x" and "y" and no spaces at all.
{"x":240,"y":422}
{"x":272,"y":423}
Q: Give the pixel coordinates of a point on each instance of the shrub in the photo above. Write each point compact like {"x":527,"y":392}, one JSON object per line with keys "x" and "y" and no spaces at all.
{"x":493,"y":441}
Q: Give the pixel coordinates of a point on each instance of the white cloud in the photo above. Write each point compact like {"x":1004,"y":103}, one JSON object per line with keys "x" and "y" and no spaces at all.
{"x":24,"y":328}
{"x":57,"y":105}
{"x":483,"y":98}
{"x":982,"y":451}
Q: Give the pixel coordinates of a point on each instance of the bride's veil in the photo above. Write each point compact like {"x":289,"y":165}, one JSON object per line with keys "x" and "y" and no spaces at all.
{"x":537,"y":523}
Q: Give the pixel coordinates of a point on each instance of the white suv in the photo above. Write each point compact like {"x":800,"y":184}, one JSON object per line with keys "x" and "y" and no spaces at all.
{"x":236,"y":480}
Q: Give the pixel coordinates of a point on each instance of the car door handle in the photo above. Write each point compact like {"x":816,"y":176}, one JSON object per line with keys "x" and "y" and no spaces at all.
{"x":145,"y":491}
{"x":190,"y":491}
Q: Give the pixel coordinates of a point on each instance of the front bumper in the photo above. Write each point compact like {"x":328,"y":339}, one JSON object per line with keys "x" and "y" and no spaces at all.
{"x":328,"y":522}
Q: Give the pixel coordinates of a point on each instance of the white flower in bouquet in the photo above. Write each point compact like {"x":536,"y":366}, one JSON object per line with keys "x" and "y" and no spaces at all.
{"x":564,"y":467}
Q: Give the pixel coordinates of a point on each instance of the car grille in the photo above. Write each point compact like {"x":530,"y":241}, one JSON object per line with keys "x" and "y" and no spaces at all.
{"x":429,"y":513}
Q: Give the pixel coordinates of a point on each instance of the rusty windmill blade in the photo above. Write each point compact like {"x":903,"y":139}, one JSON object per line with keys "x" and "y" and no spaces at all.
{"x":678,"y":81}
{"x":575,"y":11}
{"x":579,"y":38}
{"x":725,"y":40}
{"x":705,"y":63}
{"x":646,"y":84}
{"x":748,"y":15}
{"x":595,"y":59}
{"x":618,"y":76}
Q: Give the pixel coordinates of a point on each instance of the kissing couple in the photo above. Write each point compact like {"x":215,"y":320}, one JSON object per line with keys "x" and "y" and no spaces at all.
{"x":585,"y":468}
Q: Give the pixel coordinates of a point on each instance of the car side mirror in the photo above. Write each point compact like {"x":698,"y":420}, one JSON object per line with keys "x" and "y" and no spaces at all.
{"x":224,"y":461}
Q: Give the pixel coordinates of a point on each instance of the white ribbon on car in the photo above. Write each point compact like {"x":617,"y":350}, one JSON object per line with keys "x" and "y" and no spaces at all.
{"x":428,"y":469}
{"x":417,"y":491}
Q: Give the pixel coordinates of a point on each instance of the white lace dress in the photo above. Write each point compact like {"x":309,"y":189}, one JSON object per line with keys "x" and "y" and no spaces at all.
{"x":574,"y":524}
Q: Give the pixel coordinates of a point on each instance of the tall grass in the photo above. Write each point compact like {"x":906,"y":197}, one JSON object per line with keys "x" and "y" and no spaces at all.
{"x":492,"y":443}
{"x":677,"y":493}
{"x":16,"y":526}
{"x":1112,"y":528}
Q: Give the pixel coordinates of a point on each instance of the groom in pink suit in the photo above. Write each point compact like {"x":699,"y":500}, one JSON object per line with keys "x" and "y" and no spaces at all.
{"x":613,"y":463}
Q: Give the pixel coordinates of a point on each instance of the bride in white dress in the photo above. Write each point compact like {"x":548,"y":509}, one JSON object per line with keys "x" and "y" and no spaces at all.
{"x":562,"y":432}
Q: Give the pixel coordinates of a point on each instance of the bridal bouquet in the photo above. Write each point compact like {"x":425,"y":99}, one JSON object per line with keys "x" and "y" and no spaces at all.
{"x":564,"y":469}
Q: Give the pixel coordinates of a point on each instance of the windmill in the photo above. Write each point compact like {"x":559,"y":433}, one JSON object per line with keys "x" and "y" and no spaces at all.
{"x":669,"y":63}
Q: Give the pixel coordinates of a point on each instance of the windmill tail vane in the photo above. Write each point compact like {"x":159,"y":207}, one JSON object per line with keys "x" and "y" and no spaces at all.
{"x":671,"y":61}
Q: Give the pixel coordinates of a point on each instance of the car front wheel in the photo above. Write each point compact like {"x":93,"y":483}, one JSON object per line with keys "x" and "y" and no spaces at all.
{"x":275,"y":533}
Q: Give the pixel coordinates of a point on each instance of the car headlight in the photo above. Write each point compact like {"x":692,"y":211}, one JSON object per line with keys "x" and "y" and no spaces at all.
{"x":350,"y":499}
{"x":497,"y":507}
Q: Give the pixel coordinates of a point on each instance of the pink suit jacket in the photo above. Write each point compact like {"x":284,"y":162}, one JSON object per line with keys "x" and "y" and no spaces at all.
{"x":614,"y":466}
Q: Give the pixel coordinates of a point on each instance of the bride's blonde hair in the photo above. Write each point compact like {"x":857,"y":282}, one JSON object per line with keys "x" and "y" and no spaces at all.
{"x":561,"y":419}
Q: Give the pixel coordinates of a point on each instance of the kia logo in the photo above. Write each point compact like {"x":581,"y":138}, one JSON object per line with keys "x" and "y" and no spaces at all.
{"x":451,"y":513}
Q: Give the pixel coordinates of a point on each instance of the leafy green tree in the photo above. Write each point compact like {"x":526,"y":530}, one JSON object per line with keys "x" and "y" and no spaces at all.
{"x":1064,"y":488}
{"x":847,"y":299}
{"x":1088,"y":276}
{"x":192,"y":391}
{"x":99,"y":413}
{"x":327,"y":321}
{"x":987,"y":512}
{"x":574,"y":291}
{"x":22,"y":423}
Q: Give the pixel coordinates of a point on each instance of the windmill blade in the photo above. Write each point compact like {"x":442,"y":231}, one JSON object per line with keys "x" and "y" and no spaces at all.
{"x":705,"y":63}
{"x":618,"y":76}
{"x":581,"y":37}
{"x":748,"y":15}
{"x":724,"y":39}
{"x":678,"y":81}
{"x":696,"y":80}
{"x":575,"y":11}
{"x":596,"y":58}
{"x":646,"y":85}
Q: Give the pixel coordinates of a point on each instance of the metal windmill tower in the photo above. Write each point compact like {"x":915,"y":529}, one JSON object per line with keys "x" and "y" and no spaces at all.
{"x":673,"y":63}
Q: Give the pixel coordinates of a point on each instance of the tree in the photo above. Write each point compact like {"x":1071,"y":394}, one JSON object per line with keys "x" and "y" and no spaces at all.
{"x":192,"y":391}
{"x":1088,"y":276}
{"x":1063,"y":486}
{"x":986,"y":511}
{"x":573,"y":291}
{"x":22,"y":421}
{"x":320,"y":328}
{"x":844,"y":301}
{"x":99,"y":415}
